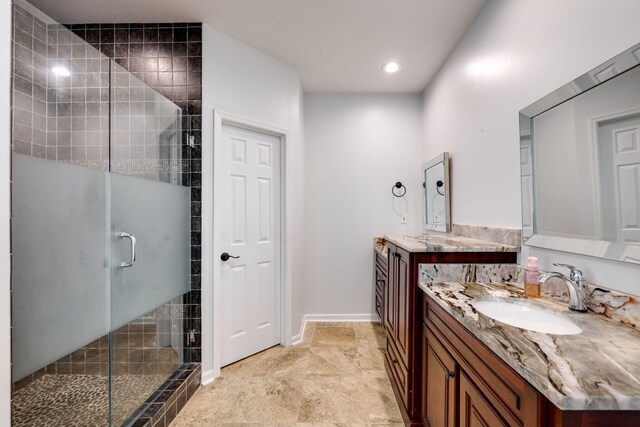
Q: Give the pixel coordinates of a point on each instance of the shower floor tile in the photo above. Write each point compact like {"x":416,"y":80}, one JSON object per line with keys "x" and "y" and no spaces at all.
{"x":80,"y":400}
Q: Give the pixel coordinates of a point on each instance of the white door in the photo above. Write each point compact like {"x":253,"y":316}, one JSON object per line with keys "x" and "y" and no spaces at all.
{"x":250,"y":214}
{"x":620,"y":173}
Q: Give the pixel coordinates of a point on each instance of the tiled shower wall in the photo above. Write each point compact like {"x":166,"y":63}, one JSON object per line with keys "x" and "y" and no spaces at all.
{"x":29,"y":103}
{"x":168,"y":58}
{"x":67,"y":118}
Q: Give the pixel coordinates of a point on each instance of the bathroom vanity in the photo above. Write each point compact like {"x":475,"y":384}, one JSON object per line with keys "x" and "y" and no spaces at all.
{"x":401,"y":301}
{"x":477,"y":371}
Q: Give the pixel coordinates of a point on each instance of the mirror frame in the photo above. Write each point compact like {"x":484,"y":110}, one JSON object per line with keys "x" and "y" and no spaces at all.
{"x":442,"y":158}
{"x":610,"y":69}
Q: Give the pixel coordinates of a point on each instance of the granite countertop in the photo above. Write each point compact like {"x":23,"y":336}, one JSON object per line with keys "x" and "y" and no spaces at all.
{"x":380,"y":245}
{"x":598,"y":369}
{"x":447,"y":243}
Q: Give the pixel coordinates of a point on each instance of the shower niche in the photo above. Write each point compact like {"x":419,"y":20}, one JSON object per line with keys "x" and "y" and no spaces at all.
{"x":101,"y":232}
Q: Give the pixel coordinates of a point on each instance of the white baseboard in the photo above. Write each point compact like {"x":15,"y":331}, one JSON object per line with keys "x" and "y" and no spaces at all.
{"x":207,"y":377}
{"x":297,"y":339}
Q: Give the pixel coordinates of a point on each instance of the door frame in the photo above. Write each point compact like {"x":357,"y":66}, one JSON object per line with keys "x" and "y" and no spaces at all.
{"x":211,"y":290}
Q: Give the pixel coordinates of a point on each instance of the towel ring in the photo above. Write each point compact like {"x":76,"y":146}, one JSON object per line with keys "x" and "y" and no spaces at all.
{"x":439,"y":184}
{"x":400,"y":187}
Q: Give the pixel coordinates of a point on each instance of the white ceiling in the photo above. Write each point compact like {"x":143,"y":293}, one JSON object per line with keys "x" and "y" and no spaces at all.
{"x":337,"y":45}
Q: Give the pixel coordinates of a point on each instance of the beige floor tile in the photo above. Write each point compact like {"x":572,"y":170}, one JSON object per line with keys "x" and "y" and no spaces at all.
{"x":333,"y":361}
{"x":279,"y":362}
{"x":267,"y":400}
{"x":367,"y":325}
{"x":210,"y":404}
{"x":333,"y":400}
{"x":274,"y":362}
{"x":259,"y":425}
{"x":334,"y":378}
{"x":334,"y":337}
{"x":332,"y":425}
{"x":245,"y":367}
{"x":324,"y":325}
{"x":370,"y":337}
{"x":370,"y":359}
{"x":381,"y":402}
{"x":374,"y":373}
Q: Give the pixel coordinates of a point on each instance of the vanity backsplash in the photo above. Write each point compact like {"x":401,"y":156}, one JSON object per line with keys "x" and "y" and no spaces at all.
{"x":506,"y":236}
{"x":612,"y":304}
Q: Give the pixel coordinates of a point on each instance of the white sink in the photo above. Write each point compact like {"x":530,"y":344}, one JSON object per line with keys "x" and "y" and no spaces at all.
{"x":525,"y":316}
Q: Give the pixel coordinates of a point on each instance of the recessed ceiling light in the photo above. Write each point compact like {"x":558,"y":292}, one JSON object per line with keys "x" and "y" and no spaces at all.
{"x":391,"y":67}
{"x":61,"y":71}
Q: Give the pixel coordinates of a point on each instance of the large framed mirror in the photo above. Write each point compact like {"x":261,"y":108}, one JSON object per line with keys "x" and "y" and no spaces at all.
{"x":437,"y":201}
{"x":580,"y":164}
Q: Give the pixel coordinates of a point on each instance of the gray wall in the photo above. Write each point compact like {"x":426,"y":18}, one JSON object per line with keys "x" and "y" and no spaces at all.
{"x":358,"y":146}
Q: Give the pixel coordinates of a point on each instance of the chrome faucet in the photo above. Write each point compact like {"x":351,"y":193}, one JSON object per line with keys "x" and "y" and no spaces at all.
{"x":576,"y":285}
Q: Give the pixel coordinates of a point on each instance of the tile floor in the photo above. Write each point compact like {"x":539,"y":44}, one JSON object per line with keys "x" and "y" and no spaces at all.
{"x":335,"y":377}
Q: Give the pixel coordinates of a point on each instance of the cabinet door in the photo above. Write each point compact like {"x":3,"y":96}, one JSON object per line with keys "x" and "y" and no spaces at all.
{"x":439,"y":392}
{"x":403,"y":304}
{"x":475,"y":410}
{"x":390,"y":295}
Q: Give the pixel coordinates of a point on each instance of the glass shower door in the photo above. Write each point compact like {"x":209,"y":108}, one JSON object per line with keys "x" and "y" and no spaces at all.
{"x":59,"y":226}
{"x":150,"y":241}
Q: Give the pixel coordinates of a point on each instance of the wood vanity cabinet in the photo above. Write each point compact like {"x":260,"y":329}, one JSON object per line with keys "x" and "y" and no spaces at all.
{"x":482,"y":389}
{"x":465,"y":384}
{"x":439,"y":379}
{"x":402,"y":320}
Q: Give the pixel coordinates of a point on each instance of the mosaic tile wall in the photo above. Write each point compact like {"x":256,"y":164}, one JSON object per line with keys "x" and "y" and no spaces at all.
{"x":168,"y":58}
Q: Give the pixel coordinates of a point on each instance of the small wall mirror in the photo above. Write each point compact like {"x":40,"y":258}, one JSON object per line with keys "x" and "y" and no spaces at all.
{"x":437,"y":200}
{"x":580,"y":164}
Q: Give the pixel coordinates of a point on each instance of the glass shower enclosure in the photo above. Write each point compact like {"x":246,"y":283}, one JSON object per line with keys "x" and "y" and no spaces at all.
{"x":100,"y":232}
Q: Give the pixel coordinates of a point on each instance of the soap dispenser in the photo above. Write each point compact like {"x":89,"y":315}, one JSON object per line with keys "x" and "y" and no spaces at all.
{"x":532,"y":278}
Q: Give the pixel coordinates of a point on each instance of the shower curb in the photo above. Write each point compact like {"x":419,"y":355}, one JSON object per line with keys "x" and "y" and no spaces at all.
{"x":164,"y":405}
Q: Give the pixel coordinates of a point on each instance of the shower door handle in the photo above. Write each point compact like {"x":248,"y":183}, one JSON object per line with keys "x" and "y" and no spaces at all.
{"x":132,"y":238}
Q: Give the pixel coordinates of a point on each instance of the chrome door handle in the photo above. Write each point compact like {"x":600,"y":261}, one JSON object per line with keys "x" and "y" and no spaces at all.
{"x":132,"y":238}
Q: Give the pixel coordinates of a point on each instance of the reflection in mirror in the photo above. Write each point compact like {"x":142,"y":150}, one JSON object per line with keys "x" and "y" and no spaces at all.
{"x":580,"y":164}
{"x":436,"y":194}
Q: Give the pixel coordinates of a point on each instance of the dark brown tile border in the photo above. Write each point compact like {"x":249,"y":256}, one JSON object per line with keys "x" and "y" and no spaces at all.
{"x":165,"y":404}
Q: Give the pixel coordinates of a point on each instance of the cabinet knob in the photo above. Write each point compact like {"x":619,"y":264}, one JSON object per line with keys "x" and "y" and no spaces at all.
{"x":451,"y":374}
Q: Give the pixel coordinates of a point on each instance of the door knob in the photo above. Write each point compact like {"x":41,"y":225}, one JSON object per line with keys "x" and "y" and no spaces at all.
{"x":225,"y":256}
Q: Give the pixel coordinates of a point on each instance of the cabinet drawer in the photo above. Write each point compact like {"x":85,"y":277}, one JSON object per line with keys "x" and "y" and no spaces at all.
{"x":399,"y":371}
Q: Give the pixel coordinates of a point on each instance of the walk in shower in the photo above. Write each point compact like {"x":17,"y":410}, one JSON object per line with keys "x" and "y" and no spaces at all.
{"x":100,"y":232}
